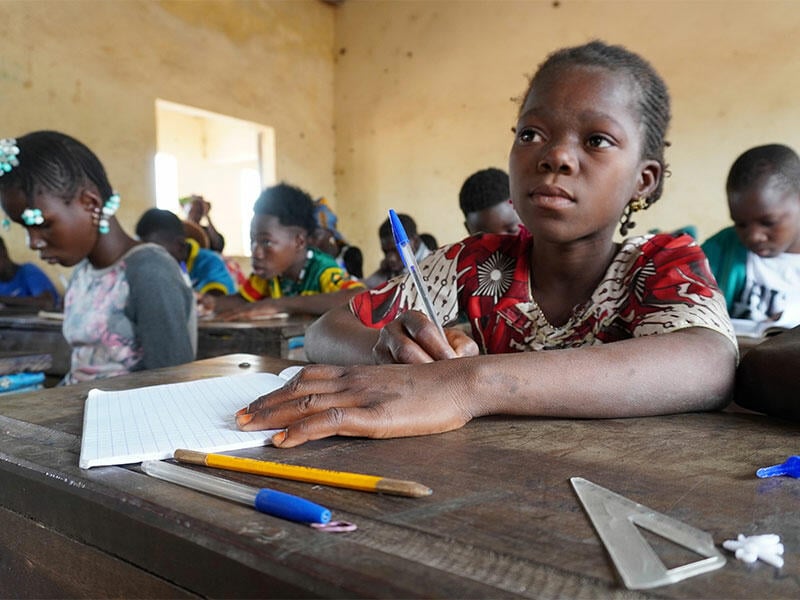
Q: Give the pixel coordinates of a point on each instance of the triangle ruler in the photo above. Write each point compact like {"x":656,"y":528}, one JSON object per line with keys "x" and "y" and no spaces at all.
{"x":617,"y":520}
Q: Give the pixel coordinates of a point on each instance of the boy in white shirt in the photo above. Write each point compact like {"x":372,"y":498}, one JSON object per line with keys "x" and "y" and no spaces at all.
{"x":757,"y":261}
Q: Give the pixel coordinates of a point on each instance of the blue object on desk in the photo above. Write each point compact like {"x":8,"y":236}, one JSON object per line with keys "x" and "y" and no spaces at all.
{"x":790,"y":467}
{"x":271,"y":502}
{"x":407,"y":255}
{"x":20,"y":381}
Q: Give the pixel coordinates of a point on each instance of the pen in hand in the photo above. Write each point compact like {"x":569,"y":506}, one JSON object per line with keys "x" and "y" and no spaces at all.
{"x":407,"y":255}
{"x":271,"y":502}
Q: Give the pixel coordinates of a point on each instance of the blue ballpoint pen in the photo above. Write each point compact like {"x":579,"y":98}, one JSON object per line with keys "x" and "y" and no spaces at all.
{"x":271,"y":502}
{"x":407,"y":255}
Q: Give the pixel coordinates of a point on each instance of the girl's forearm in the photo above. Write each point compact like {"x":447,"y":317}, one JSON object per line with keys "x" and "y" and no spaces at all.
{"x":687,"y":370}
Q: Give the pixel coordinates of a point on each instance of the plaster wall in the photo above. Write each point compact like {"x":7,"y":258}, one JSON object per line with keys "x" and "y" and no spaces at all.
{"x":93,"y":69}
{"x":426,"y":94}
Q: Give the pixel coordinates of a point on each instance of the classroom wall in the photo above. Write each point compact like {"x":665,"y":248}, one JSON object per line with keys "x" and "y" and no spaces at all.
{"x":381,"y":104}
{"x":425,"y":89}
{"x":93,"y":69}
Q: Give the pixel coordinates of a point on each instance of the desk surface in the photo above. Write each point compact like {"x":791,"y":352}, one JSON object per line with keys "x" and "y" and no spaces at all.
{"x":503,"y":520}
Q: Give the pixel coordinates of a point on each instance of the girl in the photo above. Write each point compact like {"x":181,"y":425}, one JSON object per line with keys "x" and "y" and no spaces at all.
{"x":632,"y":329}
{"x":127,"y":306}
{"x":288,"y":275}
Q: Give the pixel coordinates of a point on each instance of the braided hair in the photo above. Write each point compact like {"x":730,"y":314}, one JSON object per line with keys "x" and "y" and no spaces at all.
{"x":57,"y":163}
{"x":653,"y":100}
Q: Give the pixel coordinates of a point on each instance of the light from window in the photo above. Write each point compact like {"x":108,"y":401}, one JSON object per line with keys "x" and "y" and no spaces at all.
{"x":166,"y":166}
{"x":249,"y":189}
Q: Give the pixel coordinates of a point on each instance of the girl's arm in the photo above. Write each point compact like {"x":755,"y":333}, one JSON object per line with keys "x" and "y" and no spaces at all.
{"x":766,"y":380}
{"x":313,"y":304}
{"x":338,"y":337}
{"x":687,"y":370}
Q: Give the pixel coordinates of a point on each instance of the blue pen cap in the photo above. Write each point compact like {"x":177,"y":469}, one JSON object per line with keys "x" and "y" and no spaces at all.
{"x":290,"y":507}
{"x":399,"y":232}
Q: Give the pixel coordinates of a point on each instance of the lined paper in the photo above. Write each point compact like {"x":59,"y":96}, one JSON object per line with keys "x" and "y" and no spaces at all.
{"x":150,"y":423}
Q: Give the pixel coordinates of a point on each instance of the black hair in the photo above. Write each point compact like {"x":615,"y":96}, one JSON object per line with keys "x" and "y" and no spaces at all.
{"x":57,"y":163}
{"x":157,"y":220}
{"x":430,"y":242}
{"x":483,"y":189}
{"x":291,"y":205}
{"x":653,"y":102}
{"x":385,"y":230}
{"x":771,"y":159}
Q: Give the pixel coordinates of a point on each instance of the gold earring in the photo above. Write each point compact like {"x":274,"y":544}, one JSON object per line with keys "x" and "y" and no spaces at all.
{"x":639,"y":204}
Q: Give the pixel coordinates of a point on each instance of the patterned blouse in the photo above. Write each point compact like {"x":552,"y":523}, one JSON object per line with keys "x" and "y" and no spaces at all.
{"x":655,"y":284}
{"x":321,"y":275}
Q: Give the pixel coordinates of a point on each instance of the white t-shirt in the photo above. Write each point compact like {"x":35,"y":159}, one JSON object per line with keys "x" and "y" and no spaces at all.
{"x":771,"y":291}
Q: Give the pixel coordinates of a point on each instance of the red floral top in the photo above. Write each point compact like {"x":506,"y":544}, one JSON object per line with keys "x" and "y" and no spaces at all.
{"x":655,"y":284}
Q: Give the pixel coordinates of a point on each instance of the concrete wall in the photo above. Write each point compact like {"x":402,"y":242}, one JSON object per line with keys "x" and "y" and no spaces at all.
{"x":424,"y":95}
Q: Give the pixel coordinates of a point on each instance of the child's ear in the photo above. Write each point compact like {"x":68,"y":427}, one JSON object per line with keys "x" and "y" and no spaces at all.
{"x":90,"y":200}
{"x":649,"y":176}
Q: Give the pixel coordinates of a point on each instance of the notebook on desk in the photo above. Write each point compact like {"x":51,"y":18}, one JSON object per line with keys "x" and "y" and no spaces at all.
{"x":150,"y":423}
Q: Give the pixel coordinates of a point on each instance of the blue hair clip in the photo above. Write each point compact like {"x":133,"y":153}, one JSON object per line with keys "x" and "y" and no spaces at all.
{"x":32,"y":216}
{"x":109,"y":208}
{"x":6,"y":224}
{"x":8,"y":155}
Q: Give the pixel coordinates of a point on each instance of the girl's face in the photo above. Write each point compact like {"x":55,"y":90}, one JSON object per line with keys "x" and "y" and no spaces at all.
{"x":67,"y":234}
{"x":576,"y":158}
{"x":767,"y":217}
{"x":277,"y":249}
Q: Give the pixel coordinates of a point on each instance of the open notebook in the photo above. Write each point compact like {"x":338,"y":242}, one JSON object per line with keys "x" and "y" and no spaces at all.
{"x":150,"y":423}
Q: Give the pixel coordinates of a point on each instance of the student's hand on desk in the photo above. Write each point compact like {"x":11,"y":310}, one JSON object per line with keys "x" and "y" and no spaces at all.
{"x":380,"y":401}
{"x":412,"y":338}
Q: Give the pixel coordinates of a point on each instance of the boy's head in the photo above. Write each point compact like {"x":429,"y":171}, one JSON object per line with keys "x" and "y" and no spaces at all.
{"x":651,"y":93}
{"x":763,"y":189}
{"x":282,"y":222}
{"x":391,"y":257}
{"x":484,"y":199}
{"x":162,"y":227}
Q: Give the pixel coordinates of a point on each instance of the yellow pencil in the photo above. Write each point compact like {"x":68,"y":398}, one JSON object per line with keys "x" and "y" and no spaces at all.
{"x":353,"y":481}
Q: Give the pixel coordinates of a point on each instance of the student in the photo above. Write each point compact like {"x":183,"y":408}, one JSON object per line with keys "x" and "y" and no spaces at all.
{"x":127,"y":306}
{"x":198,"y":208}
{"x":766,"y":380}
{"x":288,"y":275}
{"x":757,"y":261}
{"x":631,"y":329}
{"x":485,"y":200}
{"x":25,"y":284}
{"x":329,"y":239}
{"x":205,"y":268}
{"x":392,"y":264}
{"x":431,"y":243}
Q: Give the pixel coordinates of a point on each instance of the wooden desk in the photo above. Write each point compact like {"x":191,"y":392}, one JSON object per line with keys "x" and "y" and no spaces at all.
{"x":503,"y":520}
{"x":269,"y":337}
{"x":29,"y":333}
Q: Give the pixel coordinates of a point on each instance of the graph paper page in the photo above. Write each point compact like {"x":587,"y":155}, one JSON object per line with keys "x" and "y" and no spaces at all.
{"x":150,"y":423}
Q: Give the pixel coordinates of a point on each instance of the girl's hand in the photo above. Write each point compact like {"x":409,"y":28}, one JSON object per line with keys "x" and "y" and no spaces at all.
{"x":206,"y":304}
{"x":368,"y":401}
{"x":412,"y":338}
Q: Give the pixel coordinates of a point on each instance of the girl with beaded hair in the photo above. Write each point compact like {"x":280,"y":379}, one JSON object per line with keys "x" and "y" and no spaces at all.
{"x":565,"y":321}
{"x":127,"y":306}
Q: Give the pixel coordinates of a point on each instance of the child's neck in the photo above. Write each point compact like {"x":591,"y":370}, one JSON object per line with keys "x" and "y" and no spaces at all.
{"x":564,"y":278}
{"x":110,"y":248}
{"x":298,"y":269}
